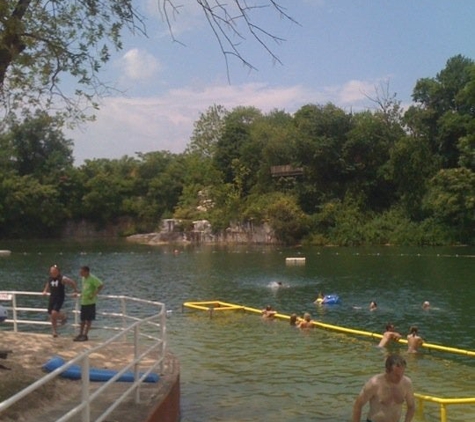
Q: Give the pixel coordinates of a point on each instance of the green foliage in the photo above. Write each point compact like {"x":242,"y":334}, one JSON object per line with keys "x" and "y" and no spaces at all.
{"x":451,"y":200}
{"x":36,"y":146}
{"x":289,"y":222}
{"x":348,"y":228}
{"x":281,"y":211}
{"x":363,"y":178}
{"x":444,"y":112}
{"x":29,"y":208}
{"x":411,"y":164}
{"x":42,"y":42}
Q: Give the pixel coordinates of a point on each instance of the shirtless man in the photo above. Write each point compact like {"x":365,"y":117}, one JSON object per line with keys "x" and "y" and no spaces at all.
{"x":389,"y":335}
{"x":268,"y":312}
{"x":386,"y":394}
{"x":306,"y":322}
{"x":414,"y":341}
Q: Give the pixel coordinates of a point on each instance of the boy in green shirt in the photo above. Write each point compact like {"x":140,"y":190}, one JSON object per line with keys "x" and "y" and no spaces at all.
{"x":91,"y":286}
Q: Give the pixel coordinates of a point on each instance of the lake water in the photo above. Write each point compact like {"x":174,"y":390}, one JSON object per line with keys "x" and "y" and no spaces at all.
{"x":238,"y":367}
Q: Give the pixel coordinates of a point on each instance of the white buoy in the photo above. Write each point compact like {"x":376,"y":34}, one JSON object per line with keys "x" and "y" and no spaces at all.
{"x":295,"y":261}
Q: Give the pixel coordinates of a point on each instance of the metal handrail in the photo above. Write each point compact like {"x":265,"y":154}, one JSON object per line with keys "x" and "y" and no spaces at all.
{"x":157,"y":320}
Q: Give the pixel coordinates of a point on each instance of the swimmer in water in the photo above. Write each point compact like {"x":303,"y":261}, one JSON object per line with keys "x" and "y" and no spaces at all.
{"x":426,"y":305}
{"x":307,"y":321}
{"x":268,"y":312}
{"x":373,"y":306}
{"x":414,"y":341}
{"x":319,"y":299}
{"x":389,"y":335}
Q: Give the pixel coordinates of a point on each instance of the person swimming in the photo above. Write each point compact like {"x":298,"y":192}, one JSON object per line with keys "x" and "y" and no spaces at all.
{"x":389,"y":335}
{"x":306,"y":322}
{"x":414,"y":341}
{"x":268,"y":312}
{"x":319,"y":299}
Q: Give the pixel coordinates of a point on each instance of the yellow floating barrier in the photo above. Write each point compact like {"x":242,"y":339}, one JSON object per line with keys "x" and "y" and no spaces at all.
{"x":217,"y":305}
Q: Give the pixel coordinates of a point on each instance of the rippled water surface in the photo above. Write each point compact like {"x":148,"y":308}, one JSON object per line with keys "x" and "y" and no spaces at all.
{"x":238,"y":367}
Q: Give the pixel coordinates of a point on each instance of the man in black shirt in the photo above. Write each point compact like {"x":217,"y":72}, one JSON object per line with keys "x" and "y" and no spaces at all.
{"x":56,"y":288}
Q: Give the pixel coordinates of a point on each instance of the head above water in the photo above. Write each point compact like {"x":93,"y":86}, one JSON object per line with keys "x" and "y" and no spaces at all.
{"x":394,"y":360}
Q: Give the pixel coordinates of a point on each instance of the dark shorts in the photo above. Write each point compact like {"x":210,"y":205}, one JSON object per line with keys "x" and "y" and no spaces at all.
{"x":55,"y":304}
{"x":88,"y":312}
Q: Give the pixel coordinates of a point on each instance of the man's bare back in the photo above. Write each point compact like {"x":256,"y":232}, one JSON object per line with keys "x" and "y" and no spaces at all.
{"x":414,"y":341}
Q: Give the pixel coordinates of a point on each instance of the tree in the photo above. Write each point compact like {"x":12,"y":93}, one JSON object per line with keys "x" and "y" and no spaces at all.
{"x":234,"y":138}
{"x":321,"y":134}
{"x":37,"y":146}
{"x":231,"y":21}
{"x":365,"y":154}
{"x":44,"y":42}
{"x":207,"y":131}
{"x":451,"y":198}
{"x":410,"y":167}
{"x":29,"y":208}
{"x":445,"y":109}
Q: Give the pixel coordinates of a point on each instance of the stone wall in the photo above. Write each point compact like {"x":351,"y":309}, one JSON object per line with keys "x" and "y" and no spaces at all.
{"x":202,"y":234}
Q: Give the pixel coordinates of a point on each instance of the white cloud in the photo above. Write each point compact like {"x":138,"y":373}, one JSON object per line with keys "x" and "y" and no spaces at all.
{"x":138,"y":65}
{"x":355,"y":91}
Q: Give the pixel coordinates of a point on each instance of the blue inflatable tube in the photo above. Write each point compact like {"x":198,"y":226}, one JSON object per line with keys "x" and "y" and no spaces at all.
{"x":95,"y":374}
{"x":331,"y":299}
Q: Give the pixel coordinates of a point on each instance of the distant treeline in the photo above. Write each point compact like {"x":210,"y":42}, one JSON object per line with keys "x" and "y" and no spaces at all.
{"x":350,"y":178}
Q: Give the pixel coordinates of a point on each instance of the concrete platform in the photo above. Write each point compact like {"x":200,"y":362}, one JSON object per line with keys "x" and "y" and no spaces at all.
{"x":159,"y":402}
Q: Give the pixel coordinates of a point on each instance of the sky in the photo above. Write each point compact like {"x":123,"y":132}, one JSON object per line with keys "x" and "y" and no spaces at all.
{"x":338,"y":51}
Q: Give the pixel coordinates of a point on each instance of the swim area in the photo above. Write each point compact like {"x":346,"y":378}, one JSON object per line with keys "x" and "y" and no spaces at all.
{"x":237,"y":366}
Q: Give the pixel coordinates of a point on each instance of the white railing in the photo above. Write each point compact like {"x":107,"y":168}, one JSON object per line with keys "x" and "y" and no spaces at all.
{"x":147,"y":330}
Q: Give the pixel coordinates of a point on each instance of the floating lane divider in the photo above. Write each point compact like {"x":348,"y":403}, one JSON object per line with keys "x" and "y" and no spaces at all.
{"x":217,"y":305}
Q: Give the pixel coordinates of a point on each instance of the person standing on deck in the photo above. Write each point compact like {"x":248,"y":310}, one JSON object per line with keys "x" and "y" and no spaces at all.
{"x":55,"y":286}
{"x":91,"y":287}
